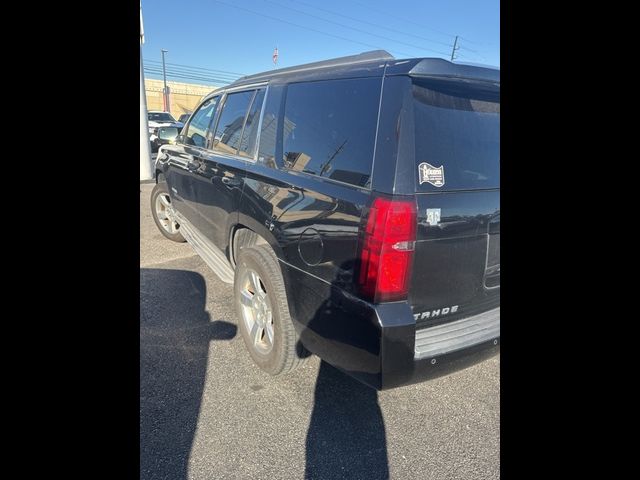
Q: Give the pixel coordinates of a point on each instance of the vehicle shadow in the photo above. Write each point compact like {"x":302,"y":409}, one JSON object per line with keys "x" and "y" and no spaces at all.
{"x":175,"y":332}
{"x":346,"y":436}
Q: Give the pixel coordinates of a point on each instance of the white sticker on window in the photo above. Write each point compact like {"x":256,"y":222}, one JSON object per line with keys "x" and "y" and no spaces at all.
{"x":430,"y":174}
{"x":433,"y":216}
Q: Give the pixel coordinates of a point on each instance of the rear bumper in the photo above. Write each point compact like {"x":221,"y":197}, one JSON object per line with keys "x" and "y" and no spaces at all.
{"x":444,"y":364}
{"x":437,"y":350}
{"x":379,"y":344}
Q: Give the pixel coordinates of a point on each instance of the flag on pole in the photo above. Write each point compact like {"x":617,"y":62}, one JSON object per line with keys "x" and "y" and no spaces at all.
{"x":275,"y":56}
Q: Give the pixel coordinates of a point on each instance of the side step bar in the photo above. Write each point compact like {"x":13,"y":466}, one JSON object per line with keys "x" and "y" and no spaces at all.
{"x":211,"y":254}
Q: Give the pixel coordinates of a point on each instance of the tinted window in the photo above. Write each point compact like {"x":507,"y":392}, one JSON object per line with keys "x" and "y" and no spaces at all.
{"x":329,"y":128}
{"x":269,"y":130}
{"x":197,"y":131}
{"x":458,"y":129}
{"x":250,"y":132}
{"x":227,"y":137}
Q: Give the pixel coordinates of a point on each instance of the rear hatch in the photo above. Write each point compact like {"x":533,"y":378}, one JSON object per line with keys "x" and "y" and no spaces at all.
{"x":456,"y":271}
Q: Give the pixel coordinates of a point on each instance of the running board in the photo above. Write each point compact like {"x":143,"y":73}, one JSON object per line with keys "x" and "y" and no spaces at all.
{"x":211,"y":254}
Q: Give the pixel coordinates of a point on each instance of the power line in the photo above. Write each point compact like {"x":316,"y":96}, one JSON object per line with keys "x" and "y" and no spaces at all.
{"x":387,"y":14}
{"x":469,"y":49}
{"x":187,"y":77}
{"x":184,"y":77}
{"x":309,"y":28}
{"x":191,"y":80}
{"x":476,"y":43}
{"x":475,"y":53}
{"x":195,"y":74}
{"x":199,"y":68}
{"x":459,"y":47}
{"x":210,"y":75}
{"x":157,"y":71}
{"x":198,"y":73}
{"x":187,"y":72}
{"x":375,"y":24}
{"x":357,"y":29}
{"x":421,"y":25}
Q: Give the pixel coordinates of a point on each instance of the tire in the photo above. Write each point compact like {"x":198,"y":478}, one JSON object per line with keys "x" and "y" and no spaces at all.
{"x":162,"y":213}
{"x":285,"y":353}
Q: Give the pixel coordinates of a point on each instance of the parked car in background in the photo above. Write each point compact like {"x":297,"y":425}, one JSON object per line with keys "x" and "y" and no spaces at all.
{"x":184,"y":117}
{"x":160,"y":119}
{"x":166,"y":136}
{"x":354,"y":205}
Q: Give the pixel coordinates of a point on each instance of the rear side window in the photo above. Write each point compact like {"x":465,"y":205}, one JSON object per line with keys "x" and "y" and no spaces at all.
{"x":329,"y":128}
{"x":250,"y":132}
{"x":457,"y":136}
{"x":197,"y":131}
{"x":268,"y":132}
{"x":227,"y":136}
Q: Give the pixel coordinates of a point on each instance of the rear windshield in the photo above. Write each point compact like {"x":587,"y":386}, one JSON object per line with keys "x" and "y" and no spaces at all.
{"x":457,"y":135}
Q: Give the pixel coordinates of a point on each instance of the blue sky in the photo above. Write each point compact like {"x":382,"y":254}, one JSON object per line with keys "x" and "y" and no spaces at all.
{"x":225,"y":35}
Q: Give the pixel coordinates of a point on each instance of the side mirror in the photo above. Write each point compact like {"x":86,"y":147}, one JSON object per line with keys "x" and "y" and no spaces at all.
{"x":168,"y":134}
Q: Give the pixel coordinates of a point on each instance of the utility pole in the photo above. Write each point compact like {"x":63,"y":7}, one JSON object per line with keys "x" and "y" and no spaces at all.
{"x":164,"y":76}
{"x":455,"y":47}
{"x":145,"y":155}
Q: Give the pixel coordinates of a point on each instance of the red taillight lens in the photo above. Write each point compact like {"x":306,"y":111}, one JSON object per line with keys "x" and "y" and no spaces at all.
{"x":386,"y":255}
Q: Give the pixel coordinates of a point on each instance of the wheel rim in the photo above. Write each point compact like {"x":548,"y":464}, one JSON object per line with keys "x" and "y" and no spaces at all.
{"x":256,"y":311}
{"x":165,"y":213}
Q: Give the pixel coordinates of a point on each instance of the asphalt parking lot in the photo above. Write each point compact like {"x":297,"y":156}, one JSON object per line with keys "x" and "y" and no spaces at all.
{"x":207,"y":413}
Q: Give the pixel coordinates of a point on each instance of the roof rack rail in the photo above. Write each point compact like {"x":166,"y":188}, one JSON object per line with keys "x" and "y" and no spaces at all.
{"x":371,"y":56}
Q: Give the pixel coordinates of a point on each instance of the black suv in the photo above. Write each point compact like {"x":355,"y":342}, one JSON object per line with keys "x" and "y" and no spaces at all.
{"x":354,"y":204}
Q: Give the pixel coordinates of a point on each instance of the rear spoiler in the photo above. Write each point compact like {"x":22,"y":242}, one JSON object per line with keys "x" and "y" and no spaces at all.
{"x":439,"y":68}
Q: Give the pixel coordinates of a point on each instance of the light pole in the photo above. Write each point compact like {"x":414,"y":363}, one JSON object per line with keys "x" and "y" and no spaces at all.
{"x":145,"y":156}
{"x":164,"y":76}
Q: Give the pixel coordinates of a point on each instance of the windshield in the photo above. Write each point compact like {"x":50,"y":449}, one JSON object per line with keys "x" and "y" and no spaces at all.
{"x":161,"y":117}
{"x":457,"y":135}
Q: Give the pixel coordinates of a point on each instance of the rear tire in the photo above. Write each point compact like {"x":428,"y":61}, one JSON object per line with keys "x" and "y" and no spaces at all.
{"x":263,"y":313}
{"x":163,"y":214}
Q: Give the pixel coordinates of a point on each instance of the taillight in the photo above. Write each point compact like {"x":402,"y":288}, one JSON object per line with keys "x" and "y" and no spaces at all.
{"x":386,"y":255}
